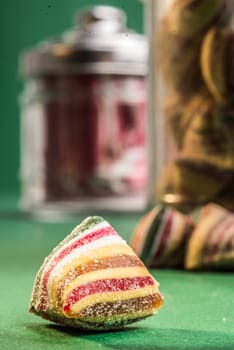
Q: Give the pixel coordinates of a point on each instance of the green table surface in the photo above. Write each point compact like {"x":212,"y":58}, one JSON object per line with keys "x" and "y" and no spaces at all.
{"x":198,"y":312}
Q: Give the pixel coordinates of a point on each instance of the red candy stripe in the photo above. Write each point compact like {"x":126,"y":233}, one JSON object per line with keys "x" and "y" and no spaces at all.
{"x":107,"y":285}
{"x":103,"y":232}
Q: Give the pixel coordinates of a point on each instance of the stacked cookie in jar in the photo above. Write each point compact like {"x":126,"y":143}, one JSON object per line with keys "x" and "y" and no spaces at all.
{"x":194,"y":49}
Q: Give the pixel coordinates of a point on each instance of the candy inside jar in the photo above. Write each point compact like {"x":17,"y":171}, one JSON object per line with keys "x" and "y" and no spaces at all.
{"x":84,"y":126}
{"x":191,"y":68}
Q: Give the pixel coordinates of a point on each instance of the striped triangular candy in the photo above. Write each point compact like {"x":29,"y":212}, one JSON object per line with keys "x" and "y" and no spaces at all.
{"x":94,"y":280}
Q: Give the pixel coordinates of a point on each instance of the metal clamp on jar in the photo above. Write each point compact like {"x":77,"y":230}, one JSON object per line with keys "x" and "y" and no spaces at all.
{"x":84,"y":118}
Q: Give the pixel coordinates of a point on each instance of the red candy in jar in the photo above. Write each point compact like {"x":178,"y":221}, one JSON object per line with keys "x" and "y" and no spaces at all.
{"x":84,"y":121}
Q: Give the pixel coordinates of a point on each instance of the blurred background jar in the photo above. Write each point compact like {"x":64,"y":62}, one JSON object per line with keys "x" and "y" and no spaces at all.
{"x":191,"y":99}
{"x":84,"y":125}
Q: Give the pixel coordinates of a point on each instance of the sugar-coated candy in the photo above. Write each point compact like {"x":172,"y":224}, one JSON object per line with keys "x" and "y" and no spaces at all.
{"x":94,"y":280}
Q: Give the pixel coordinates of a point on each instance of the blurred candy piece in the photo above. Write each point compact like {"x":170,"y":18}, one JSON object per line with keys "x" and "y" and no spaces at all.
{"x":160,"y":237}
{"x":211,"y":245}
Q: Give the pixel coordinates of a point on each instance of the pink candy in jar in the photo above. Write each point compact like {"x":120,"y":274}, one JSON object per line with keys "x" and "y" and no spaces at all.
{"x":84,"y":125}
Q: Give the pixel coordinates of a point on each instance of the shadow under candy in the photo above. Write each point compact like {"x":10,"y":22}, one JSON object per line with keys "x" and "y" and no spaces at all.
{"x":142,"y":338}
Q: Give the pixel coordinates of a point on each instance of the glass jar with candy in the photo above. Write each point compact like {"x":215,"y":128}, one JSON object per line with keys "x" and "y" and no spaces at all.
{"x":84,"y":118}
{"x":191,"y":102}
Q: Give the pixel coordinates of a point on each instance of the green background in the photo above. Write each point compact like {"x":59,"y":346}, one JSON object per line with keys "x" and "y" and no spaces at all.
{"x":199,"y":309}
{"x":23,"y":23}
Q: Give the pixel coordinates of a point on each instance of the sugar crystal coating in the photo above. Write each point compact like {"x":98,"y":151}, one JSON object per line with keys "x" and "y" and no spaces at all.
{"x":94,"y":280}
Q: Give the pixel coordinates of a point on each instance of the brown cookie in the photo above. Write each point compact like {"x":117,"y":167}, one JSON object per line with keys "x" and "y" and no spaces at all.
{"x":207,"y":138}
{"x":217,"y":64}
{"x":190,"y":18}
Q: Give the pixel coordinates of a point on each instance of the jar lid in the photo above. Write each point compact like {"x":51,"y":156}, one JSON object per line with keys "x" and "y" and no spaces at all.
{"x":100,"y":43}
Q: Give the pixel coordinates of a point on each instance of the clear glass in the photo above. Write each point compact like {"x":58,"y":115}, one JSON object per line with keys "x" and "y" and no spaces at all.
{"x":159,"y":150}
{"x":84,"y":144}
{"x":192,"y":159}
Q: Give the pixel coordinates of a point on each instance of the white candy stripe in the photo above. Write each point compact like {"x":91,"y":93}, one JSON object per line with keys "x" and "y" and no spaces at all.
{"x":179,"y":227}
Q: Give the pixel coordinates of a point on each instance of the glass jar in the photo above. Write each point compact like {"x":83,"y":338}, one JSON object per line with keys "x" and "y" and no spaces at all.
{"x":84,"y":125}
{"x":191,"y":102}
